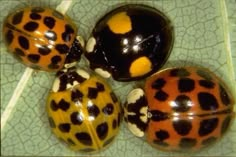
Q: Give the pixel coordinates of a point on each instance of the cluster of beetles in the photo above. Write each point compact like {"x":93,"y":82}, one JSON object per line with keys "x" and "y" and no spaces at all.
{"x":178,"y":109}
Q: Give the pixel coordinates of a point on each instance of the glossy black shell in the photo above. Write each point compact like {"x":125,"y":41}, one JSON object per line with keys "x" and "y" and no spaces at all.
{"x":151,"y":37}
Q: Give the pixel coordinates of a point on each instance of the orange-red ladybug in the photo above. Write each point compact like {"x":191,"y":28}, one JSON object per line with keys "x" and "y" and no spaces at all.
{"x":42,"y":38}
{"x":180,"y":109}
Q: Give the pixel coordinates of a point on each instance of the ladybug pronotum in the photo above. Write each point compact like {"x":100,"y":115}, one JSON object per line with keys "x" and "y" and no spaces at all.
{"x":42,"y":38}
{"x":130,"y":43}
{"x":180,"y":109}
{"x":83,"y":111}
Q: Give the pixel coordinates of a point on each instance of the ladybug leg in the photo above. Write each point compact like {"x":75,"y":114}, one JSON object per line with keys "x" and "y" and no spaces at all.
{"x":136,"y":112}
{"x":75,"y":52}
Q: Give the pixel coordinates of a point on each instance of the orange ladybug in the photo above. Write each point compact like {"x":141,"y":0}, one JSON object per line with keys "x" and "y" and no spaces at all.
{"x":186,"y":108}
{"x":42,"y":38}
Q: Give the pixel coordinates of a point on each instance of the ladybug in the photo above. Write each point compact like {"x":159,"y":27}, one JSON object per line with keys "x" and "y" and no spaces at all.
{"x":42,"y":38}
{"x":130,"y":43}
{"x":83,"y":111}
{"x":186,"y":108}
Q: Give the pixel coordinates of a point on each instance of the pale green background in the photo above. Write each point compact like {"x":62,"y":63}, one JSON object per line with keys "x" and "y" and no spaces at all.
{"x":202,"y":29}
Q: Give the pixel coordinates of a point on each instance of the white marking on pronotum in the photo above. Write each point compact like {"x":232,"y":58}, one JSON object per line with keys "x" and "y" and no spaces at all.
{"x":81,"y":40}
{"x":134,"y":95}
{"x":62,"y":7}
{"x":56,"y":85}
{"x":144,"y":117}
{"x":102,"y":73}
{"x":90,"y":44}
{"x":135,"y":130}
{"x":15,"y":96}
{"x":83,"y":73}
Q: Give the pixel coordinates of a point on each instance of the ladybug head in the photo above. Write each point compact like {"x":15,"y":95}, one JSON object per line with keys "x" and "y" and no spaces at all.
{"x":68,"y":78}
{"x":136,"y":112}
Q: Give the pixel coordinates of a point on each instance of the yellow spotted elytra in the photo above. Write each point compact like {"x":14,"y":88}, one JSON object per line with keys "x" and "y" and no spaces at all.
{"x":83,"y":110}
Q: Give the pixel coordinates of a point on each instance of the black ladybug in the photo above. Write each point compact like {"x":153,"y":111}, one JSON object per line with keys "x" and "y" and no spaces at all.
{"x":130,"y":43}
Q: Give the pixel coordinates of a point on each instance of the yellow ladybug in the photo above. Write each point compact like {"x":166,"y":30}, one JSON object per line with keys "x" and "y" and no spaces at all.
{"x":83,"y":111}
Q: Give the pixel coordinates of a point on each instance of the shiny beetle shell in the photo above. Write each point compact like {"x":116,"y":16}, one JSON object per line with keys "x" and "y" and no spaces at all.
{"x":41,"y":38}
{"x":181,"y":109}
{"x":83,"y":111}
{"x":130,"y":43}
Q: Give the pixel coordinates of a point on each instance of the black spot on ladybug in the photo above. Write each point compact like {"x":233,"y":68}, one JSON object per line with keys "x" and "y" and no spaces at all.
{"x":102,"y":130}
{"x":207,"y":84}
{"x":44,"y":50}
{"x":49,"y":22}
{"x":24,"y":42}
{"x":108,"y":109}
{"x":179,"y":72}
{"x":182,"y":103}
{"x":108,"y":141}
{"x":161,"y":95}
{"x":9,"y":37}
{"x":57,"y":14}
{"x":114,"y":123}
{"x":162,"y":135}
{"x":62,"y":48}
{"x":55,"y":59}
{"x":186,"y":85}
{"x":37,"y":10}
{"x":207,"y":101}
{"x":70,"y":142}
{"x":35,"y":16}
{"x":159,"y":83}
{"x":187,"y":143}
{"x":51,"y":122}
{"x":19,"y":52}
{"x":209,"y":141}
{"x":63,"y":105}
{"x":92,"y":93}
{"x":224,"y":96}
{"x":93,"y":111}
{"x":53,"y":66}
{"x":66,"y":36}
{"x":31,"y":26}
{"x":182,"y":127}
{"x":160,"y":143}
{"x":17,"y":18}
{"x":87,"y":150}
{"x":204,"y":74}
{"x":113,"y":97}
{"x":225,"y":124}
{"x":69,"y":28}
{"x":158,"y":115}
{"x":53,"y":105}
{"x":100,"y":87}
{"x":84,"y":138}
{"x":207,"y":126}
{"x":51,"y":35}
{"x":76,"y":118}
{"x":76,"y":95}
{"x":34,"y":58}
{"x":64,"y":127}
